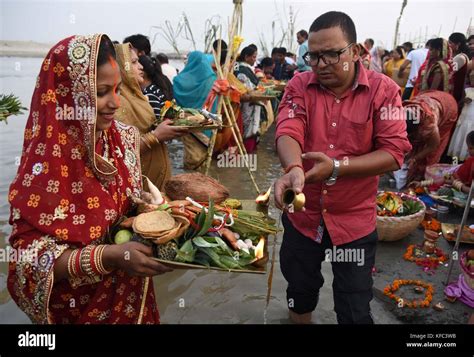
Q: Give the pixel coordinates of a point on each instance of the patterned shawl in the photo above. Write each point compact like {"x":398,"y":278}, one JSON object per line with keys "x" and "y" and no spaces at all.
{"x":66,"y":194}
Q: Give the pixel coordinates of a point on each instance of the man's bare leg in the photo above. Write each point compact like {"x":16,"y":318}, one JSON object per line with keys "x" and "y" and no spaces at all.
{"x":300,"y":319}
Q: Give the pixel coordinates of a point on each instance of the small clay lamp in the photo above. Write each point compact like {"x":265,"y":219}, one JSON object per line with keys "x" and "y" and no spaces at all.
{"x":429,"y":244}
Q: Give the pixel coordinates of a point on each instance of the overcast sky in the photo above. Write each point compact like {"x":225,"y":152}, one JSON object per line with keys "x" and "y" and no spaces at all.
{"x":51,"y":21}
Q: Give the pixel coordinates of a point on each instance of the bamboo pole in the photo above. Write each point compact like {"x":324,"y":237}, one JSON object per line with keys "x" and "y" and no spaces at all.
{"x":212,"y":141}
{"x":242,"y":152}
{"x":455,"y":251}
{"x":397,"y":26}
{"x":235,"y":28}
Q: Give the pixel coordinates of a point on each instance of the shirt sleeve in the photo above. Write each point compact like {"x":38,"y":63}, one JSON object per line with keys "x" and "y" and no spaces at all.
{"x":464,"y":172}
{"x":410,"y":56}
{"x":156,"y":103}
{"x":459,"y":61}
{"x":390,"y":132}
{"x":291,"y":119}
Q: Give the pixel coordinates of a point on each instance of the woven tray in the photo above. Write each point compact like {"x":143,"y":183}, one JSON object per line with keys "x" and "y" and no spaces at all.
{"x":395,"y":228}
{"x":448,"y":233}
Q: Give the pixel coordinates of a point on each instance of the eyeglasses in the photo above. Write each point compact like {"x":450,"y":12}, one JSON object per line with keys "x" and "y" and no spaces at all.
{"x":329,"y":57}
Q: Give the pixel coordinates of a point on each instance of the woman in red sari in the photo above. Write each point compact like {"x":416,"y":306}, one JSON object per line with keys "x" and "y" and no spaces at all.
{"x":79,"y":170}
{"x":436,"y":73}
{"x":433,"y":115}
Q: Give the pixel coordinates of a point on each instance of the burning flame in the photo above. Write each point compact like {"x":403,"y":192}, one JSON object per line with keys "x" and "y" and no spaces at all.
{"x":259,"y":249}
{"x":263,"y":198}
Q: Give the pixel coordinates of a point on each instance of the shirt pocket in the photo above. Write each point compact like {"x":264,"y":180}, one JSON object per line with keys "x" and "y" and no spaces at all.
{"x":358,"y":134}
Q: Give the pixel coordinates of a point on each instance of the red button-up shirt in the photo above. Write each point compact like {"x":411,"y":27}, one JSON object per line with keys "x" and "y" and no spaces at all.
{"x":368,"y":117}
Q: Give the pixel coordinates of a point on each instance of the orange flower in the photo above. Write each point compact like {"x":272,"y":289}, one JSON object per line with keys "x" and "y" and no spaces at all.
{"x":168,"y":104}
{"x":33,"y":201}
{"x":64,"y":171}
{"x":12,"y":195}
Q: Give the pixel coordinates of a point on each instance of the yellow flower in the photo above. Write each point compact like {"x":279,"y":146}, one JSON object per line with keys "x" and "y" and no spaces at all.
{"x":93,"y":202}
{"x":12,"y":195}
{"x":64,"y":171}
{"x":58,"y":69}
{"x":237,"y":41}
{"x":62,"y":234}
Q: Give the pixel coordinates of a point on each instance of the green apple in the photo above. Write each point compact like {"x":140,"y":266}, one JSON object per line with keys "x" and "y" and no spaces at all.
{"x":123,"y":236}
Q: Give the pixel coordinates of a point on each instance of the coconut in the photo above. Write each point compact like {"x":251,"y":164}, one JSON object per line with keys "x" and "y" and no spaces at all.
{"x":199,"y":187}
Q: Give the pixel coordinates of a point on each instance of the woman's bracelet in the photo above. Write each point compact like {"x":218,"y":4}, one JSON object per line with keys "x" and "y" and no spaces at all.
{"x":150,"y":140}
{"x":87,"y":262}
{"x":457,"y":184}
{"x":426,"y":183}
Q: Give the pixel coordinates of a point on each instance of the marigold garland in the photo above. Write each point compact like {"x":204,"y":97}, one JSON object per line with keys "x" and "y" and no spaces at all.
{"x":390,"y":290}
{"x":431,"y":262}
{"x":433,"y":225}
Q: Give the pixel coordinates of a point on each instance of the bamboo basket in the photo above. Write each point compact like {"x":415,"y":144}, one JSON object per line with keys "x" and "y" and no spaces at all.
{"x":391,"y":229}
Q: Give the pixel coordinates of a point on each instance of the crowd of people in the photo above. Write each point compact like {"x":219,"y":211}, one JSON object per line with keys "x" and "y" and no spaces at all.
{"x":76,"y":179}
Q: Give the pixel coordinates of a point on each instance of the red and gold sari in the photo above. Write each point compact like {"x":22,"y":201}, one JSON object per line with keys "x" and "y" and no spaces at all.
{"x":437,"y":113}
{"x":443,"y":66}
{"x":69,"y":191}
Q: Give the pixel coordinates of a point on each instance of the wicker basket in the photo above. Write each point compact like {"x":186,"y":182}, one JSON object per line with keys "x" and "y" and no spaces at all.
{"x":396,"y":228}
{"x":468,"y":276}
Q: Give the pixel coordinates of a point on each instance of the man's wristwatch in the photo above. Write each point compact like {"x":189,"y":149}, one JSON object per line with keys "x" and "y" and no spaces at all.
{"x":335,"y":171}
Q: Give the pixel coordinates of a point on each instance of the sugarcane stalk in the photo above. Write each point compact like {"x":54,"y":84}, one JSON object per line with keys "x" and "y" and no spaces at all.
{"x":397,"y":26}
{"x":212,"y":141}
{"x":241,"y":152}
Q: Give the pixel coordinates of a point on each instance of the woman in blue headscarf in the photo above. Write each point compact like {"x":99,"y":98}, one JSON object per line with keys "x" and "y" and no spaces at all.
{"x":191,"y":88}
{"x":193,"y":84}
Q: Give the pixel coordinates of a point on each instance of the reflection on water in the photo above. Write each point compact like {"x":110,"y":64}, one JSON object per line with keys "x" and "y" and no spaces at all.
{"x":184,"y":296}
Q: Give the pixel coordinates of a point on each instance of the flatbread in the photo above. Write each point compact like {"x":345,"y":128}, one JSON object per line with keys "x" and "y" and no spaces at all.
{"x":153,"y":222}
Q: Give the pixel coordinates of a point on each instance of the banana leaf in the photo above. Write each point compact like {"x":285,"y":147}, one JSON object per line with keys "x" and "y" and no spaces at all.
{"x":204,"y":243}
{"x":186,"y":253}
{"x":209,"y":217}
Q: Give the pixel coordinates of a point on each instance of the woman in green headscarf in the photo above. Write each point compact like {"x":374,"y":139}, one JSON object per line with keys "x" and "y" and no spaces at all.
{"x":136,"y":110}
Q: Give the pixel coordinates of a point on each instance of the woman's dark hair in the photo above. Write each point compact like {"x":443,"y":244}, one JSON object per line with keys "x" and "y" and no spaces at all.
{"x":303,"y":33}
{"x":140,"y":42}
{"x":215,"y":46}
{"x":408,"y":45}
{"x":247,"y":51}
{"x":400,"y":50}
{"x":459,"y":39}
{"x":152,"y":68}
{"x":162,"y":58}
{"x":470,"y":139}
{"x":437,"y":44}
{"x":265,"y":62}
{"x":106,"y":50}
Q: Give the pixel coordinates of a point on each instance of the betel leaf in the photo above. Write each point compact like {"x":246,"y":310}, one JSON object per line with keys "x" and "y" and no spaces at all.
{"x":215,"y":259}
{"x":186,"y":253}
{"x":229,"y":262}
{"x":199,"y":219}
{"x":204,"y":243}
{"x":223,"y":247}
{"x":208,"y":219}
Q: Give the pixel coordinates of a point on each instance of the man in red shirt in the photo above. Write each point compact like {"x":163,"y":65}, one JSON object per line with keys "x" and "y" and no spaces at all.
{"x":338,"y":128}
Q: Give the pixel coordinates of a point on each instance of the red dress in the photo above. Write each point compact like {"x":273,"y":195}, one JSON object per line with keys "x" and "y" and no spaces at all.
{"x":65,"y":195}
{"x":465,"y":171}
